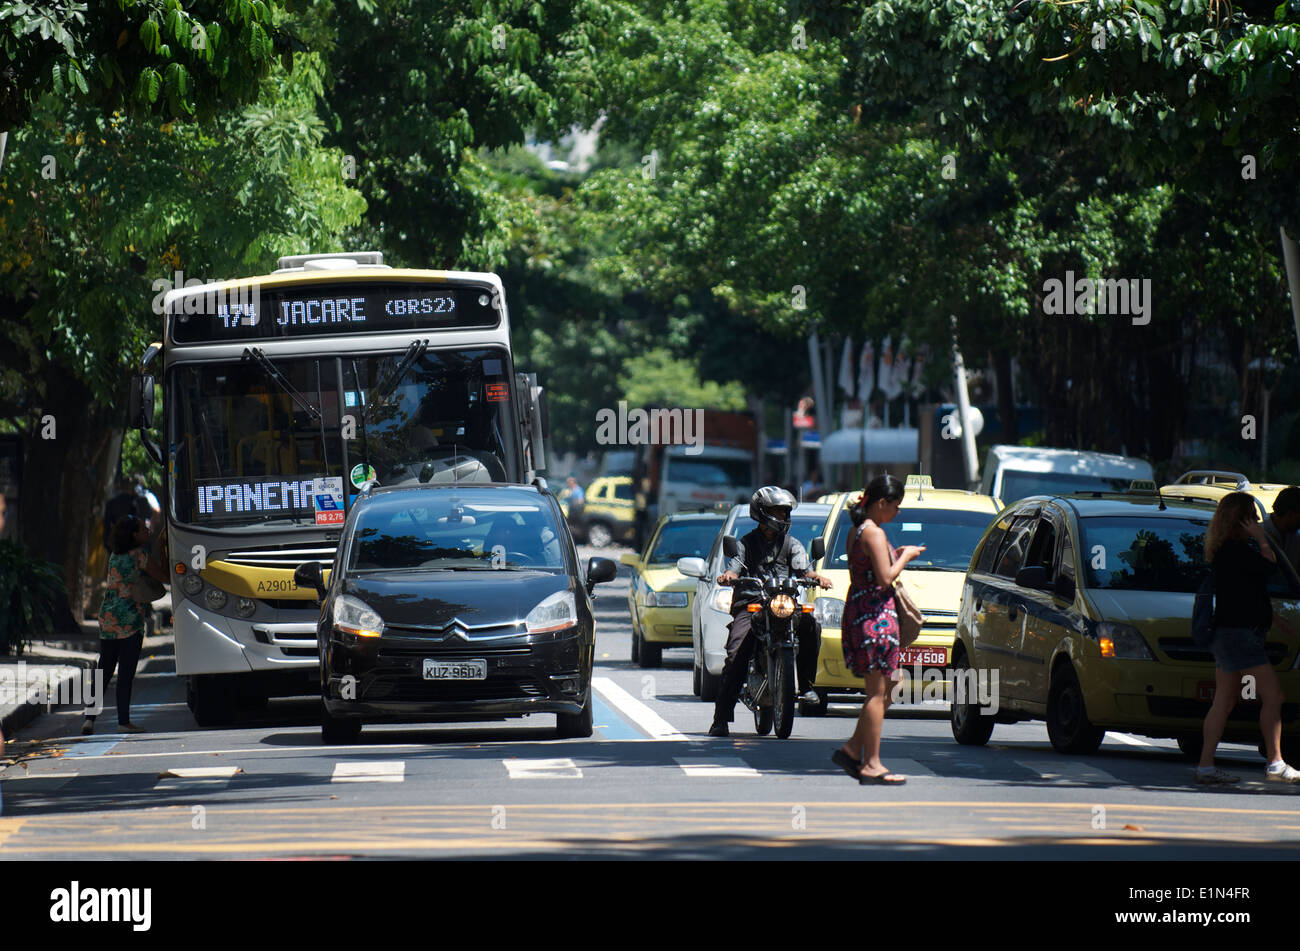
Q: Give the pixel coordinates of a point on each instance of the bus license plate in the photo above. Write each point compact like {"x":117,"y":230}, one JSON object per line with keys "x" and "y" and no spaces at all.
{"x":454,"y":669}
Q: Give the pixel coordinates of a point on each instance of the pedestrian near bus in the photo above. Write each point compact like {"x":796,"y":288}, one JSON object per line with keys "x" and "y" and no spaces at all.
{"x":121,"y":617}
{"x":1243,"y":614}
{"x":869,"y":632}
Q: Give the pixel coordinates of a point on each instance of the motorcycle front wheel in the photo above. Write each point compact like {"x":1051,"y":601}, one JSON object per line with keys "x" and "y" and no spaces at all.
{"x":783,"y":692}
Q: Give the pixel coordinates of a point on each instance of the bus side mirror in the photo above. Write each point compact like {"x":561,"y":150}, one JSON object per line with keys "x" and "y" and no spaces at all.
{"x":140,"y":403}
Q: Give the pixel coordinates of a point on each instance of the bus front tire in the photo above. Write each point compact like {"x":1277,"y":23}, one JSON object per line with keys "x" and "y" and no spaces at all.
{"x":211,"y":698}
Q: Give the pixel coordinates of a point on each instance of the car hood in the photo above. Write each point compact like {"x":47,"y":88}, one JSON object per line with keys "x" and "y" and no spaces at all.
{"x":436,"y":598}
{"x":667,"y":579}
{"x":1142,"y":608}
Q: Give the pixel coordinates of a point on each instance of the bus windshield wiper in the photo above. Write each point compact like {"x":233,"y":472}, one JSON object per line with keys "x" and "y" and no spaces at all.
{"x":389,"y":383}
{"x":256,"y":355}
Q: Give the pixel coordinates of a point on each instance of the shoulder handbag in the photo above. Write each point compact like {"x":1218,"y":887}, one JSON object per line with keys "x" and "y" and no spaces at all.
{"x":909,"y":615}
{"x":147,"y":589}
{"x":1203,"y":612}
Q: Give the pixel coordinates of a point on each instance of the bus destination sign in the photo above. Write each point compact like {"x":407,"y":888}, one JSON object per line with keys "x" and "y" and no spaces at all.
{"x":250,"y":313}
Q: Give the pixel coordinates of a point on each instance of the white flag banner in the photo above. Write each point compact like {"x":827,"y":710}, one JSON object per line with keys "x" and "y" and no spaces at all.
{"x":888,"y":381}
{"x":846,"y":367}
{"x":866,"y":371}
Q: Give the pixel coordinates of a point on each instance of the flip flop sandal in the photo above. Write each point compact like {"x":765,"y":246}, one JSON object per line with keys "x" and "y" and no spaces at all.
{"x":884,"y":779}
{"x":847,"y":763}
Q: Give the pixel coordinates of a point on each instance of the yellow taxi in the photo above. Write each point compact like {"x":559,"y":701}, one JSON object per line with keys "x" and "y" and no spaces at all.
{"x":659,"y":598}
{"x":1077,"y":610}
{"x":609,"y":514}
{"x":1214,"y":484}
{"x":949,"y":522}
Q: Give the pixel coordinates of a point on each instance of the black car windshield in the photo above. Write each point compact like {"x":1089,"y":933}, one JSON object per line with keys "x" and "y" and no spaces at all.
{"x":688,"y":538}
{"x":461,"y":529}
{"x":1018,"y":484}
{"x":1143,"y":554}
{"x":949,"y":537}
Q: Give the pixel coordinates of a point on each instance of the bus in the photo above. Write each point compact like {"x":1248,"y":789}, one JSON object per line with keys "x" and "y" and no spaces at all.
{"x":284,"y":396}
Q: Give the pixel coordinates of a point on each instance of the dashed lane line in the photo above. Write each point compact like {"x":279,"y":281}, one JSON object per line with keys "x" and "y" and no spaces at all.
{"x":369,"y":772}
{"x":656,"y":726}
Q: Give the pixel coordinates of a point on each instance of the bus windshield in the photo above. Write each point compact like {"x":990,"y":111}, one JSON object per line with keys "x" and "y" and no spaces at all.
{"x":249,"y":446}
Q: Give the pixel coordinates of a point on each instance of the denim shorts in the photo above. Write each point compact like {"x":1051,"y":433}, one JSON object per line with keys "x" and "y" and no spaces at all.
{"x":1238,"y":648}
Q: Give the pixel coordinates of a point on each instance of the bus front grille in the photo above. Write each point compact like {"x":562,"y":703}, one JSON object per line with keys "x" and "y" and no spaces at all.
{"x":280,"y":556}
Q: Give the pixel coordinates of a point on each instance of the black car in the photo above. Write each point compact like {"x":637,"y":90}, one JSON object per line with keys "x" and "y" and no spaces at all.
{"x":446,"y":600}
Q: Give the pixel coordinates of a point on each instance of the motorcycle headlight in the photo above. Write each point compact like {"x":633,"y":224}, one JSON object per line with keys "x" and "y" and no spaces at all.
{"x":782,"y":605}
{"x":1122,"y":642}
{"x":191,"y":584}
{"x":722,"y":599}
{"x":829,"y":612}
{"x":214,"y":598}
{"x":554,"y":613}
{"x":354,"y":616}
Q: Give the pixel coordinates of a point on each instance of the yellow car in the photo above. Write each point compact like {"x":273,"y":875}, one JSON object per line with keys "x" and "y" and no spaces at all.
{"x":1077,"y":610}
{"x":949,"y":522}
{"x":609,"y":514}
{"x":1213,"y":485}
{"x":659,"y":597}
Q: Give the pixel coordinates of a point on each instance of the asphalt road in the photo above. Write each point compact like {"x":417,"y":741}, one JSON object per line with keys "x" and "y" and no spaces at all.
{"x":649,"y":783}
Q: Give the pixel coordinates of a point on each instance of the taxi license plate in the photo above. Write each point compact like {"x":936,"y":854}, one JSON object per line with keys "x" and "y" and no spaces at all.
{"x":455,"y":669}
{"x":1205,"y":691}
{"x":925,"y":656}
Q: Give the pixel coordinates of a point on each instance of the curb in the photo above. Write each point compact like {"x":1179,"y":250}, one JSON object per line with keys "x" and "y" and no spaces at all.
{"x":14,"y":716}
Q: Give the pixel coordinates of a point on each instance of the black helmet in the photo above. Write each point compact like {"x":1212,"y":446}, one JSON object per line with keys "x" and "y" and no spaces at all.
{"x":765,"y":501}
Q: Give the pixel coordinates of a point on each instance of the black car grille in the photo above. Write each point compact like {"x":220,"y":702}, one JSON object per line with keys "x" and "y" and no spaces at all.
{"x":433,"y":691}
{"x":432,"y":633}
{"x":1187,"y":650}
{"x":1196,"y":709}
{"x":454,"y":651}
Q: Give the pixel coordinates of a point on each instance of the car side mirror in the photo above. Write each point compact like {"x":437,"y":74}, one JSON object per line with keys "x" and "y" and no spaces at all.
{"x":600,"y":570}
{"x":691,"y":567}
{"x":730,"y":548}
{"x":818,"y":549}
{"x":308,"y":575}
{"x":1064,"y":588}
{"x":1035,"y":576}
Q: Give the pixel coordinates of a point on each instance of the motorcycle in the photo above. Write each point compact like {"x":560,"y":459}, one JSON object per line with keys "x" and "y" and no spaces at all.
{"x":769,"y":689}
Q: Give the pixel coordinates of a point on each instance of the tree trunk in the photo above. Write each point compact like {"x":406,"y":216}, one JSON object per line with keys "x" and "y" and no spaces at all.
{"x":1006,"y":397}
{"x":69,"y":455}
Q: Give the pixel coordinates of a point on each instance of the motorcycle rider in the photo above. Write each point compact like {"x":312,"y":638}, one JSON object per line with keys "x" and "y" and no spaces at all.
{"x":769,"y":550}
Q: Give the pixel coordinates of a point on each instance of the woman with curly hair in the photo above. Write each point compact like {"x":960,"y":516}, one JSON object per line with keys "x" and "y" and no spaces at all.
{"x":869,"y":628}
{"x":1243,"y":614}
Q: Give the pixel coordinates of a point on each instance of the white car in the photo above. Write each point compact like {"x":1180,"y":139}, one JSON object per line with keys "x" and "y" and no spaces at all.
{"x":711,"y":606}
{"x":1012,"y":473}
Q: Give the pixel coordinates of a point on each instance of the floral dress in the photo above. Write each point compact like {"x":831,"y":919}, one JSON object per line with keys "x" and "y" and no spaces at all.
{"x":120,"y":616}
{"x":869,"y":628}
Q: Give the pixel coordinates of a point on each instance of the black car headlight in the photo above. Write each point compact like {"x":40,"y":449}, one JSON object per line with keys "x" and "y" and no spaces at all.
{"x":353,"y":616}
{"x":553,"y":613}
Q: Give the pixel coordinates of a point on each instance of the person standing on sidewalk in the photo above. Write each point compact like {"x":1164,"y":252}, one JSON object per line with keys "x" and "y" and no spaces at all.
{"x":869,"y":629}
{"x":1243,"y":614}
{"x":121,"y":617}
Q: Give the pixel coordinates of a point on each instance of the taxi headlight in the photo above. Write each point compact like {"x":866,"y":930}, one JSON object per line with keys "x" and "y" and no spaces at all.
{"x":829,"y":612}
{"x":354,"y":616}
{"x":722,"y":599}
{"x":668,"y":599}
{"x":214,"y":598}
{"x":1122,"y":642}
{"x":782,"y":605}
{"x":555,"y":613}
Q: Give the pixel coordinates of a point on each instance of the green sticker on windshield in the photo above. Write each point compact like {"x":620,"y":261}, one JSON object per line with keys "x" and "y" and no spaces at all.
{"x":361,"y":474}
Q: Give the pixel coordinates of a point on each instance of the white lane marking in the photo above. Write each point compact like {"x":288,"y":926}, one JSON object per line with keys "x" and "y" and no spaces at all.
{"x":718,"y":767}
{"x":211,"y":778}
{"x":202,"y":772}
{"x":542,"y":769}
{"x":369,"y":772}
{"x":1128,"y":738}
{"x":247,"y":749}
{"x":1065,"y":770}
{"x":638,"y":712}
{"x":908,"y":767}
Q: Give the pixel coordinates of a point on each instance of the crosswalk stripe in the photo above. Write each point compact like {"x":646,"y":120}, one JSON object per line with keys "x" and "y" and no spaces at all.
{"x":718,"y":767}
{"x":637,"y":712}
{"x":908,"y":767}
{"x":1128,"y":738}
{"x":1062,"y":769}
{"x":369,"y":772}
{"x":542,"y":769}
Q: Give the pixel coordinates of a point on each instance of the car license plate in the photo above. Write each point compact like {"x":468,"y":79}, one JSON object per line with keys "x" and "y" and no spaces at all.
{"x":454,"y":669}
{"x":1205,"y":691}
{"x":925,"y":656}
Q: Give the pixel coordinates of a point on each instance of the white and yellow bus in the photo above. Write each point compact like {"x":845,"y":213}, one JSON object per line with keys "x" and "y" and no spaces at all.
{"x":286,"y":395}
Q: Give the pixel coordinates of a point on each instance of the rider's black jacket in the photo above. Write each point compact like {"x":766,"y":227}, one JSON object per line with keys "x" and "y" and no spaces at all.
{"x":758,"y":558}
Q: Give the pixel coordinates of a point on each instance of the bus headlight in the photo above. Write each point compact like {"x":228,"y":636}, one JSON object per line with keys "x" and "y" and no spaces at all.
{"x":244,"y":607}
{"x":191,"y":585}
{"x":829,"y":612}
{"x":214,"y":598}
{"x":782,"y":605}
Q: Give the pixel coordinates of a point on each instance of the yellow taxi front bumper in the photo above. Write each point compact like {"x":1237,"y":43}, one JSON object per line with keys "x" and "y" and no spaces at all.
{"x":933,"y":648}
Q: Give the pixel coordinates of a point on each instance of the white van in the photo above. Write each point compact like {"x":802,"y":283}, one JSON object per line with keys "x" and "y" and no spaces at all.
{"x":1013,"y":472}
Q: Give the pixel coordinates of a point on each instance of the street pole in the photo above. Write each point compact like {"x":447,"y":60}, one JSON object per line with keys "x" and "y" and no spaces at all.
{"x":1291,"y":255}
{"x":963,"y":406}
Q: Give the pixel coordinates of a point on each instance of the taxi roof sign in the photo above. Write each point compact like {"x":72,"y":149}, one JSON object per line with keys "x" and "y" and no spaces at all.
{"x":1143,"y":487}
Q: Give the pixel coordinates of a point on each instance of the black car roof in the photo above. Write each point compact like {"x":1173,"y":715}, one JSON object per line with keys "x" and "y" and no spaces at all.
{"x":1087,"y":504}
